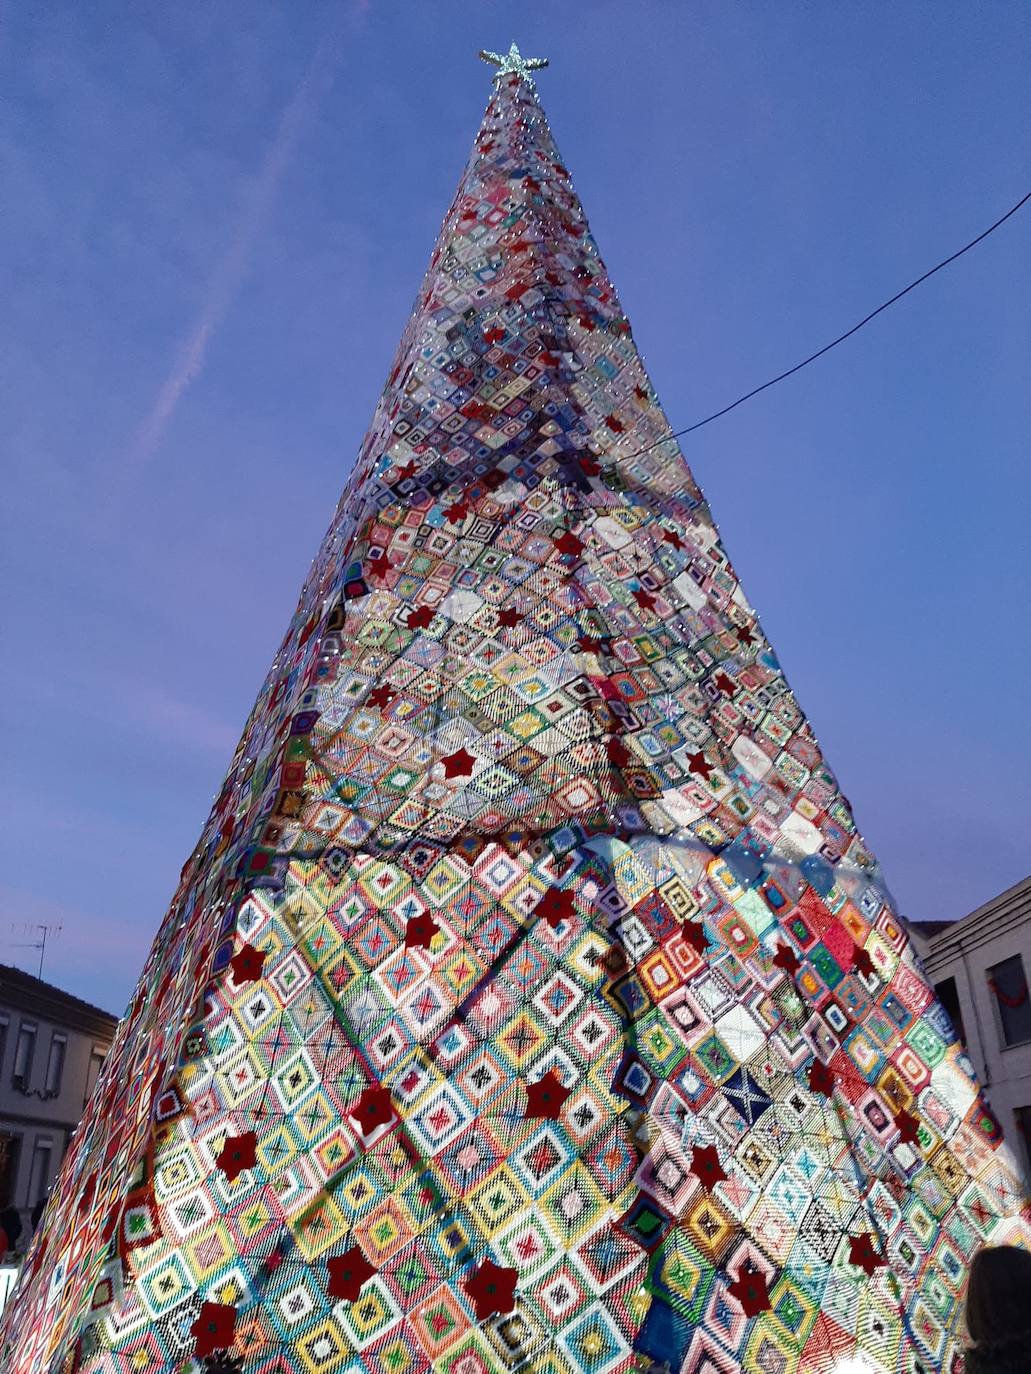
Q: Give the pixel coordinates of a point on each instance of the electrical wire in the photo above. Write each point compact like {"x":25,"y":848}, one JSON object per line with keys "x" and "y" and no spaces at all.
{"x":679,"y":434}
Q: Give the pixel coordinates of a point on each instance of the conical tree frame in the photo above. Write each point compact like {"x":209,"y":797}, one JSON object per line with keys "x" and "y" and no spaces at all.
{"x":531,"y":1001}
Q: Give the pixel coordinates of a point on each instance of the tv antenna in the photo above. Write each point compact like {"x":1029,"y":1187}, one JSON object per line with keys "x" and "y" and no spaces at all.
{"x":45,"y":930}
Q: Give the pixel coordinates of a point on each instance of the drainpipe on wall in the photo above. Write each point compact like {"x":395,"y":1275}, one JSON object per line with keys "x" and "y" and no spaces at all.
{"x":987,"y":1077}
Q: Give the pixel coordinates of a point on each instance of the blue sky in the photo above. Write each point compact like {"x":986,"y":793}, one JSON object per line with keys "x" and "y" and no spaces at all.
{"x":216,"y":218}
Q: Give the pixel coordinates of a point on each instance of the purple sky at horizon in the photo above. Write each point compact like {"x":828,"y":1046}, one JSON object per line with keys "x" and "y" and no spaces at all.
{"x":216,"y":221}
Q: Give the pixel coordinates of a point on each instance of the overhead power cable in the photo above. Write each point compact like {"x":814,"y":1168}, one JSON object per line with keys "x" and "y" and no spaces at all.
{"x":679,"y":434}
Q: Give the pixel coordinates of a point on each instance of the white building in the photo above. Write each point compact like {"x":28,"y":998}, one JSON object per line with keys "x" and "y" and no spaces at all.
{"x":51,"y":1048}
{"x":980,"y":967}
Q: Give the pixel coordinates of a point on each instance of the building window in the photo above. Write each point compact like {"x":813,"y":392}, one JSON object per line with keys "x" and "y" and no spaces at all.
{"x":55,"y":1063}
{"x":9,"y":1148}
{"x":1008,"y":982}
{"x":96,"y":1063}
{"x":1023,"y":1118}
{"x":24,"y":1051}
{"x":39,"y":1174}
{"x":948,"y":996}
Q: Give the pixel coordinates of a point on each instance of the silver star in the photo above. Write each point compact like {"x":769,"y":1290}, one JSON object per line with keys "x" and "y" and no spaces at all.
{"x":513,"y":62}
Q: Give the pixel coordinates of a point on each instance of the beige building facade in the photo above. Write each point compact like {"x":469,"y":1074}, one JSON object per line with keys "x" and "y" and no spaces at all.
{"x":52,"y":1046}
{"x":980,"y":967}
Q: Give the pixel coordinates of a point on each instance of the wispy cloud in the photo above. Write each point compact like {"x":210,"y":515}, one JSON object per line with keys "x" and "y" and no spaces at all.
{"x":230,"y":269}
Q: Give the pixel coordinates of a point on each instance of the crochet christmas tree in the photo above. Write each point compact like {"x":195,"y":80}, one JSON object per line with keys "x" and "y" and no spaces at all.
{"x":531,"y":1001}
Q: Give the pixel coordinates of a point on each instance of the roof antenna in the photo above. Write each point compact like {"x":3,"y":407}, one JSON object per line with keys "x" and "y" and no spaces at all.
{"x":41,"y":943}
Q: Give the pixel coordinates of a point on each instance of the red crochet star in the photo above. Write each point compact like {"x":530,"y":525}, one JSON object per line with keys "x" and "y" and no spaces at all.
{"x":640,"y":393}
{"x":546,"y":1097}
{"x":492,"y":1289}
{"x":619,"y":755}
{"x":750,"y":1290}
{"x":238,"y":1153}
{"x":861,"y":960}
{"x":699,"y":764}
{"x":373,"y":1108}
{"x":86,"y":1197}
{"x":420,"y":619}
{"x":555,"y":907}
{"x":568,"y":545}
{"x":347,"y":1273}
{"x":694,"y":934}
{"x":494,"y":336}
{"x":644,"y":599}
{"x":589,"y":465}
{"x":671,"y":537}
{"x":614,"y":423}
{"x":407,"y":471}
{"x":457,"y":511}
{"x":459,"y":764}
{"x":907,"y":1126}
{"x":787,"y":959}
{"x":862,"y":1253}
{"x":215,"y":1328}
{"x":724,"y":684}
{"x":247,"y":964}
{"x":588,"y":644}
{"x":379,"y":565}
{"x":420,"y":931}
{"x":705,"y":1165}
{"x":380,"y":696}
{"x":821,"y":1079}
{"x":744,"y":635}
{"x":509,"y":618}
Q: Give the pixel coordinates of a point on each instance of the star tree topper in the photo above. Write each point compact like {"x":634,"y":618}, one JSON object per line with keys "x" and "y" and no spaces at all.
{"x":513,"y":62}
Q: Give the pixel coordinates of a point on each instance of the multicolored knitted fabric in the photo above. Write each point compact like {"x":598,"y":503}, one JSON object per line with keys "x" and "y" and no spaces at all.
{"x":531,"y":1001}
